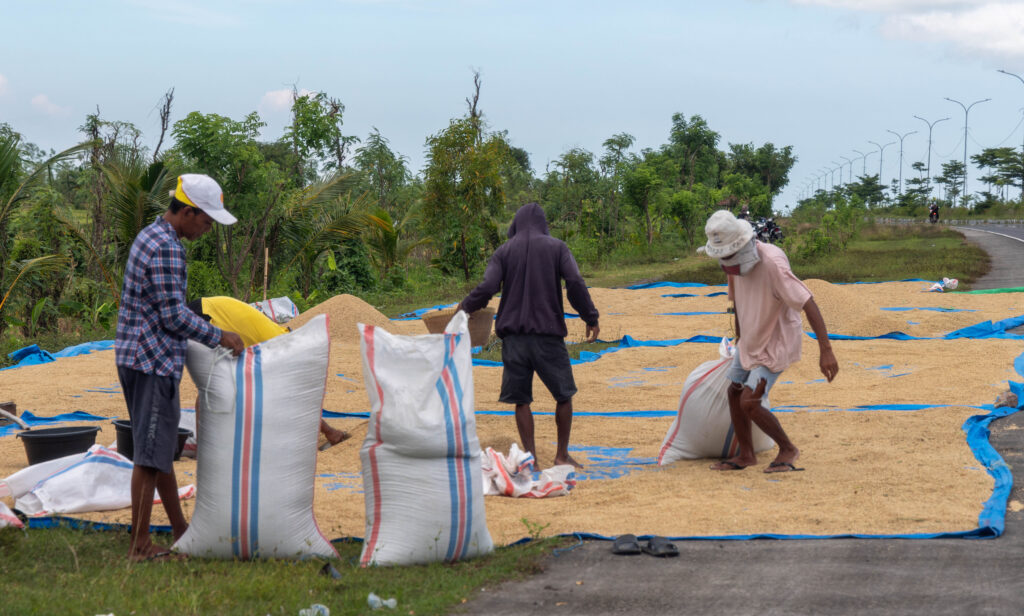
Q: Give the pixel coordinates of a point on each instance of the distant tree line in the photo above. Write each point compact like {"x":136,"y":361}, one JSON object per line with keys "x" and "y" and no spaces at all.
{"x":321,"y":212}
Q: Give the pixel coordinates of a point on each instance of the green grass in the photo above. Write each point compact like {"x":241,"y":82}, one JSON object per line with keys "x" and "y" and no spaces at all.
{"x":880,"y":254}
{"x":61,"y":570}
{"x":898,"y":252}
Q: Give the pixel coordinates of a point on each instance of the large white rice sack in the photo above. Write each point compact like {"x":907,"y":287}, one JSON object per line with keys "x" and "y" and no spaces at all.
{"x":257,"y":432}
{"x":421,"y":457}
{"x":703,"y":427}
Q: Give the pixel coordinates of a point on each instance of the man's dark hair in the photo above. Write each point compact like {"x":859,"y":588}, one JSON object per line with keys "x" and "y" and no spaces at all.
{"x":176,"y":205}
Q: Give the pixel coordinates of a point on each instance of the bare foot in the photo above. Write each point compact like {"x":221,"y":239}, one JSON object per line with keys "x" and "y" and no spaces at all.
{"x":568,"y":460}
{"x":335,"y":436}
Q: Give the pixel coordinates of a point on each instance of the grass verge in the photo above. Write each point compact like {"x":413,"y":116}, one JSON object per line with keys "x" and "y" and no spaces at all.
{"x":62,"y":570}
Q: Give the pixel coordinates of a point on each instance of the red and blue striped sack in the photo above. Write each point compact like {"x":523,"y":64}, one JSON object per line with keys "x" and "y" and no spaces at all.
{"x":421,"y":460}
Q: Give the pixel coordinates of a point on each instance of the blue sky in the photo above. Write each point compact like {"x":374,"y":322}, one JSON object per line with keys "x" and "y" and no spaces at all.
{"x":825,"y":76}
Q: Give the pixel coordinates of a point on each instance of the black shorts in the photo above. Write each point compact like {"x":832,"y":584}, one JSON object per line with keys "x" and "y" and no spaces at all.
{"x":154,"y":410}
{"x":524,"y":354}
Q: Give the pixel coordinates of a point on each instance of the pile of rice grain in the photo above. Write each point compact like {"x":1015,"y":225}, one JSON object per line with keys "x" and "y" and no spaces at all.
{"x":344,"y":312}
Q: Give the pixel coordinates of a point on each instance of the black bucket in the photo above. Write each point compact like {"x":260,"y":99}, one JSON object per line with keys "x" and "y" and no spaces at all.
{"x":126,"y":446}
{"x":52,"y":443}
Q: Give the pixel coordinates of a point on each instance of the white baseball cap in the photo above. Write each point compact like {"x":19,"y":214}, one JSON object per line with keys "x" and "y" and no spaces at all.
{"x":203,"y":192}
{"x":726,"y":234}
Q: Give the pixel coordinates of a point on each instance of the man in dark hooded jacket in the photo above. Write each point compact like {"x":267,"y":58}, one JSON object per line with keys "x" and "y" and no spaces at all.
{"x":529,"y":269}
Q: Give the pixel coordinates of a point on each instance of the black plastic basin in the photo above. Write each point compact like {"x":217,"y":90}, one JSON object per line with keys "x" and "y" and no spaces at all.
{"x":51,"y":443}
{"x":126,"y":445}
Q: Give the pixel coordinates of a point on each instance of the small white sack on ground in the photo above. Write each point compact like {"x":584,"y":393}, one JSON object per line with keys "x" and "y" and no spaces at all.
{"x":278,"y":309}
{"x":702,"y":427}
{"x":22,"y":482}
{"x":421,"y":457}
{"x":512,"y":475}
{"x":100,"y":481}
{"x":7,"y":517}
{"x":256,"y":463}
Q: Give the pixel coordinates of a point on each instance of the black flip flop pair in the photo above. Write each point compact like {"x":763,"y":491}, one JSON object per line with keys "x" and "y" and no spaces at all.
{"x":655,"y":546}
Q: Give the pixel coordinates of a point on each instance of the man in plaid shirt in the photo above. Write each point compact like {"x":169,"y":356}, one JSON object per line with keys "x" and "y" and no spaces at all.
{"x":153,"y":328}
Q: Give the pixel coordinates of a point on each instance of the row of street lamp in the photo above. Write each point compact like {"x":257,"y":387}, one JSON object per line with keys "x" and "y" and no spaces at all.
{"x":816,"y":180}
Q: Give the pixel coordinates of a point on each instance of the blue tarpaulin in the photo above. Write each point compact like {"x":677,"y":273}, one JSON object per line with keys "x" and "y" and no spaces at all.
{"x":34,"y":420}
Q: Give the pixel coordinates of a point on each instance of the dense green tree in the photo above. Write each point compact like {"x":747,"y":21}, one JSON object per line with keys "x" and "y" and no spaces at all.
{"x":694,"y":146}
{"x":463,"y":191}
{"x":1004,"y":166}
{"x":768,"y":164}
{"x":640,"y":185}
{"x":254,"y":191}
{"x":386,"y":171}
{"x":315,"y":135}
{"x":952,"y":178}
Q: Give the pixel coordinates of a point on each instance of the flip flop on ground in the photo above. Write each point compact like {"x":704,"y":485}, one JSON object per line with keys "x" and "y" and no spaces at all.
{"x":781,"y":467}
{"x":727,"y":465}
{"x":164,"y":556}
{"x":626,"y":544}
{"x":660,"y":546}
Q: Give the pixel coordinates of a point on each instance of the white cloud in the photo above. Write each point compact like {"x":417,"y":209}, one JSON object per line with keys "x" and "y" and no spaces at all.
{"x":3,"y":85}
{"x":280,"y":100}
{"x":978,"y":27}
{"x":992,"y":29}
{"x":45,"y":105}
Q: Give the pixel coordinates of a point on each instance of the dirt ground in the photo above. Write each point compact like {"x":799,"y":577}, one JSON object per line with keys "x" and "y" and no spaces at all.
{"x":867,"y":471}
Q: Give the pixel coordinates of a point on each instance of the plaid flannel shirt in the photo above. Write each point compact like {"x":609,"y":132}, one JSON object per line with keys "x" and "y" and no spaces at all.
{"x":153,"y":323}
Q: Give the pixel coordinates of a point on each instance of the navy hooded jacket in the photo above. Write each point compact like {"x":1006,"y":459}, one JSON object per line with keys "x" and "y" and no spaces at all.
{"x":529,"y":269}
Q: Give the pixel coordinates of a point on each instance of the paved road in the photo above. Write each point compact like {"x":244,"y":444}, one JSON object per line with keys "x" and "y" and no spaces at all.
{"x":954,"y":577}
{"x":1005,"y":245}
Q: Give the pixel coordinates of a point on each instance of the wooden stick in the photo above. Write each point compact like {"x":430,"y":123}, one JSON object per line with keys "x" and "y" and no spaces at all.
{"x":266,"y":263}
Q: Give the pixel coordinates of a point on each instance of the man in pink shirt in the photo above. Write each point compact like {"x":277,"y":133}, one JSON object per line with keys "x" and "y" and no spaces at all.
{"x":768,"y":298}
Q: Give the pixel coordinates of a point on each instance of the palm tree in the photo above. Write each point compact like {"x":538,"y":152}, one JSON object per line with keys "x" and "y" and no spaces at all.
{"x":388,"y":247}
{"x":138,"y":193}
{"x":16,"y":186}
{"x":322,"y":215}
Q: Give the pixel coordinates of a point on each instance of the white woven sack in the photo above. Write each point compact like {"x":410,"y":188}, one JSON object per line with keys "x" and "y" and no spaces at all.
{"x":421,"y":457}
{"x":7,"y":517}
{"x":702,"y":427}
{"x":278,"y":309}
{"x":258,"y":423}
{"x":99,"y":481}
{"x":22,"y":482}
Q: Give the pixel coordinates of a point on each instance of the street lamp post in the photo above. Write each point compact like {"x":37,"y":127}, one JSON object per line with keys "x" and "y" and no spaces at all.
{"x":881,"y":152}
{"x":930,"y":125}
{"x":840,"y":168}
{"x":967,"y":110}
{"x":863,"y":162}
{"x":851,"y":169}
{"x":1022,"y":145}
{"x":901,"y":138}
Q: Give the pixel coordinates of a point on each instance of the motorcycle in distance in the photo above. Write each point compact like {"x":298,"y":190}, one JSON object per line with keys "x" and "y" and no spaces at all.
{"x":767,"y":231}
{"x":933,"y":213}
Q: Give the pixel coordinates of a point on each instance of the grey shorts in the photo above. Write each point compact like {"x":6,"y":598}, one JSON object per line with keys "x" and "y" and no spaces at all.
{"x":154,"y":410}
{"x":750,"y":378}
{"x":524,"y":354}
